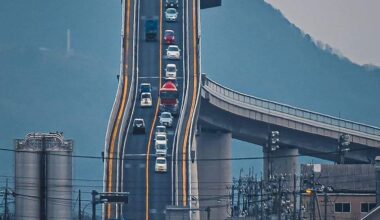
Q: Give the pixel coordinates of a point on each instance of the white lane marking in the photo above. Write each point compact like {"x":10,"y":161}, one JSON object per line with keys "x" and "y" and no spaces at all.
{"x":136,"y":35}
{"x":152,"y":211}
{"x":127,"y":165}
{"x":157,"y":77}
{"x":149,"y":77}
{"x":142,"y":165}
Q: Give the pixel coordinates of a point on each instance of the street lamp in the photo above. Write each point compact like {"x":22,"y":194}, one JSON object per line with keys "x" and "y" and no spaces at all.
{"x":274,"y":140}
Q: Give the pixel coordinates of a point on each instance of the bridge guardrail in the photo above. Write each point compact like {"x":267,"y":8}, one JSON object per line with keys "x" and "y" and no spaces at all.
{"x":282,"y":108}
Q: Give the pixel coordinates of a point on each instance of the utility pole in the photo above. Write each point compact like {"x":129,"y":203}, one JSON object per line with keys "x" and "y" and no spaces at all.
{"x":279,"y":197}
{"x":233,"y":198}
{"x":300,"y":206}
{"x":6,"y":201}
{"x":208,"y":210}
{"x":79,"y":207}
{"x":294,"y":196}
{"x":261,"y":198}
{"x":94,"y":193}
{"x":239,"y":192}
{"x":313,"y":196}
{"x":325,"y":201}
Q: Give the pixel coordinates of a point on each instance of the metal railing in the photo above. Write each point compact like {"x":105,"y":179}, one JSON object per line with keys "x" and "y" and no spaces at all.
{"x":282,"y":108}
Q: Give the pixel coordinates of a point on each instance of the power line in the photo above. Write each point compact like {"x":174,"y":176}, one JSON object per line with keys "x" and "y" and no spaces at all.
{"x":135,"y":157}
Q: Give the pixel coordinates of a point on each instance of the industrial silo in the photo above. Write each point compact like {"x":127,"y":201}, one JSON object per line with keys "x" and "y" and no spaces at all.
{"x":59,"y":180}
{"x":43,"y":177}
{"x":27,"y":179}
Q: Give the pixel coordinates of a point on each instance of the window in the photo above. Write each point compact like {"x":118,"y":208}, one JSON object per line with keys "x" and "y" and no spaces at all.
{"x":366,"y":207}
{"x":343,"y":207}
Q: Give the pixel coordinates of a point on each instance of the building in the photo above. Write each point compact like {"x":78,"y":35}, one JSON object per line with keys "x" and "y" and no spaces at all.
{"x":344,"y":191}
{"x":43,"y":177}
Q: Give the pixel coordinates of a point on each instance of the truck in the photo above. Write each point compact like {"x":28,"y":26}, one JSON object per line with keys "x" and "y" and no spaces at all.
{"x":169,"y":98}
{"x":151,"y":29}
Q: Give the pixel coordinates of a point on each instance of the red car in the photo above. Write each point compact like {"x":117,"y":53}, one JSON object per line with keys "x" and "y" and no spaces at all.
{"x":169,"y":37}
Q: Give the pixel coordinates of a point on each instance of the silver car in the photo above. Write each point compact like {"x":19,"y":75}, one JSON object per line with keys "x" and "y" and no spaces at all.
{"x":166,"y":119}
{"x":173,"y":52}
{"x":171,"y":14}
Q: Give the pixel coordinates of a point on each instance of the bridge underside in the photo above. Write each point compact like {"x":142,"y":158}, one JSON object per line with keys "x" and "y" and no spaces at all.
{"x":212,"y":118}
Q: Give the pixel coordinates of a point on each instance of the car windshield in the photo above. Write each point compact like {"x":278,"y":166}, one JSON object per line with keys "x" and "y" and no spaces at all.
{"x":169,"y":33}
{"x":165,"y":115}
{"x":145,"y":95}
{"x":161,"y":147}
{"x":173,"y":49}
{"x":138,"y":122}
{"x":145,"y":87}
{"x":171,"y":10}
{"x":171,"y":69}
{"x":161,"y":129}
{"x":161,"y":161}
{"x":161,"y":138}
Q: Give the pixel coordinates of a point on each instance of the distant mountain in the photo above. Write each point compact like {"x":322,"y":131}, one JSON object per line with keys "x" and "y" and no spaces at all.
{"x":249,"y":46}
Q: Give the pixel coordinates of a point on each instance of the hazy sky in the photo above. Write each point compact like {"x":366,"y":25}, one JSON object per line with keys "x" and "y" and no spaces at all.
{"x":350,"y":26}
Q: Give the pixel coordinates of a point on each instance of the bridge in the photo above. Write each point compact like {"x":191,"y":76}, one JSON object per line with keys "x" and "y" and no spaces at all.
{"x":210,"y":115}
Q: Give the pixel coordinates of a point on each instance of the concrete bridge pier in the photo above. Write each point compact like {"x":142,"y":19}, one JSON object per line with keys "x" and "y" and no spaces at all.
{"x":283,"y":161}
{"x":214,"y":172}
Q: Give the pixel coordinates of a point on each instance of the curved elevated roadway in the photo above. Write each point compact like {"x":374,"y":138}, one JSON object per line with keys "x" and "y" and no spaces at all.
{"x":250,"y":119}
{"x":129,"y":164}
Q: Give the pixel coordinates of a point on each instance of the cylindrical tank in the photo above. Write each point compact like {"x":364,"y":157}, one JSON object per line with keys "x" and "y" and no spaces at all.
{"x":59,"y":184}
{"x":27,"y":182}
{"x":43,"y":177}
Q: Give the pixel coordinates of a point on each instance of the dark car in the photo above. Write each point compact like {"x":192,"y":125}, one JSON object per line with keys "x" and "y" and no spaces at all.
{"x":169,"y":37}
{"x":138,"y":126}
{"x":171,"y":3}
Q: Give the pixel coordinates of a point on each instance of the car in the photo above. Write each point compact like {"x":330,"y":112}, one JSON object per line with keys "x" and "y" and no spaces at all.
{"x":171,"y":3}
{"x":169,"y":36}
{"x":166,"y":119}
{"x":160,"y":139}
{"x":145,"y":87}
{"x":173,"y":52}
{"x":146,"y":99}
{"x":160,"y":129}
{"x":161,"y":165}
{"x":161,"y":150}
{"x":138,"y":126}
{"x":171,"y":70}
{"x":171,"y":14}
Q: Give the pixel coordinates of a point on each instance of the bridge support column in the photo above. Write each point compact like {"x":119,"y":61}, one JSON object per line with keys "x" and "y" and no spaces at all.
{"x":214,"y":175}
{"x":280,"y":162}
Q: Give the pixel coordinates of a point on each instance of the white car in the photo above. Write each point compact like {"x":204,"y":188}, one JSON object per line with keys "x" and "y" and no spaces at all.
{"x":171,"y":14}
{"x":160,"y":139}
{"x":161,"y":165}
{"x":160,"y":130}
{"x":166,"y":119}
{"x":146,"y":99}
{"x":173,"y":52}
{"x":161,"y":150}
{"x":171,"y":70}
